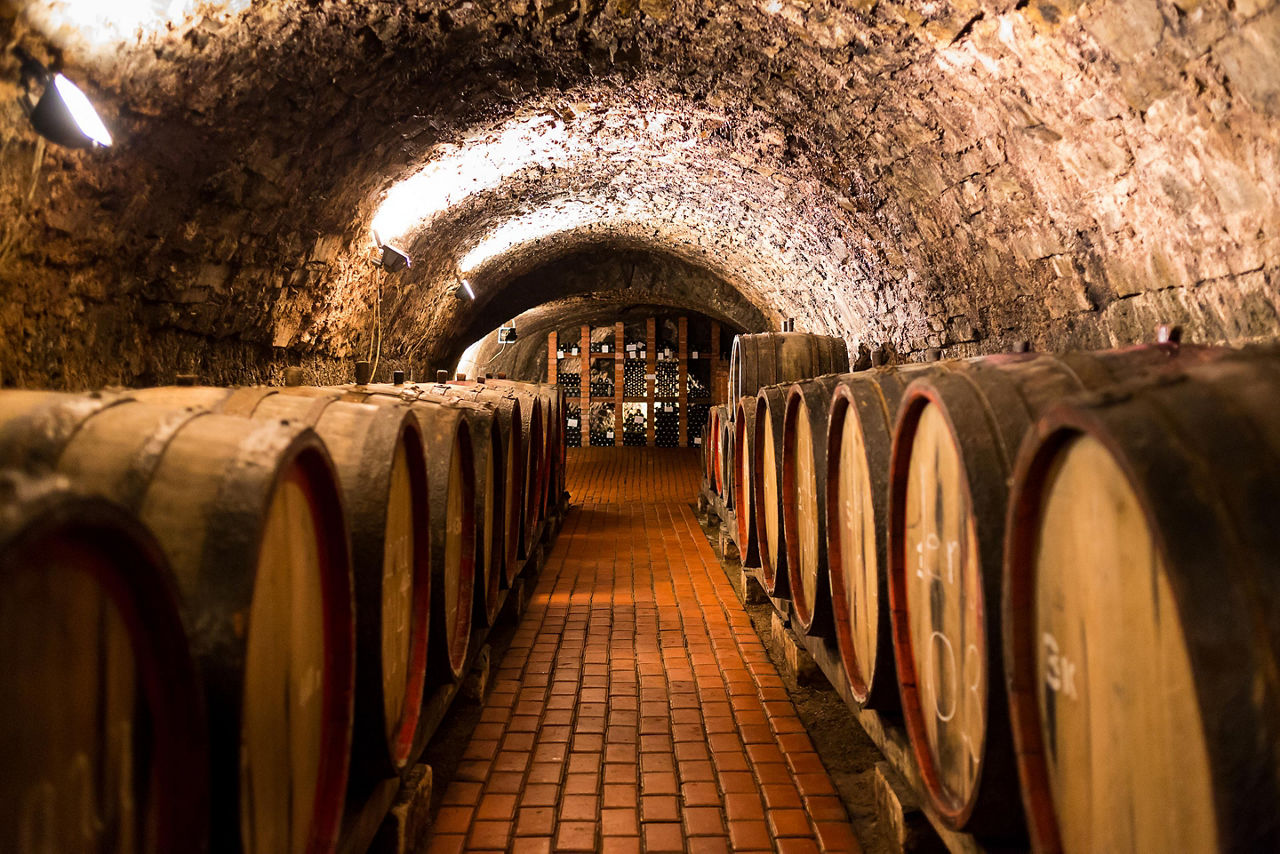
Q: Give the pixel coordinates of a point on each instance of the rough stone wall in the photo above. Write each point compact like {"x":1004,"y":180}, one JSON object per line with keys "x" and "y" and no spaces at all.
{"x":930,"y":173}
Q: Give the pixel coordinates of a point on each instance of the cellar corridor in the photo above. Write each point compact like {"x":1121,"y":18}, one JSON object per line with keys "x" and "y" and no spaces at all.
{"x":636,"y":707}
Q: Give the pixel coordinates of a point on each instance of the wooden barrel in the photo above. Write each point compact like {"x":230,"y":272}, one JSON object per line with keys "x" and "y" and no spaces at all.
{"x":549,"y":453}
{"x":766,"y":498}
{"x":1142,"y":616}
{"x":451,"y":485}
{"x":771,"y":358}
{"x":713,"y":451}
{"x":744,"y":435}
{"x":535,"y":437}
{"x":489,"y":495}
{"x":804,"y":501}
{"x":724,"y":472}
{"x":250,"y":516}
{"x":955,"y":439}
{"x":859,"y":435}
{"x":103,"y":734}
{"x":507,"y":406}
{"x":380,"y":459}
{"x":711,"y":435}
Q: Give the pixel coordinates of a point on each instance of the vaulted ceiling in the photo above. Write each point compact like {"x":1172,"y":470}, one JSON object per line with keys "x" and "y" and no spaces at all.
{"x":926,"y":174}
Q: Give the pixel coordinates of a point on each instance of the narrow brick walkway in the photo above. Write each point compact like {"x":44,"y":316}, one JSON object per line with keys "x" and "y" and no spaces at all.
{"x":636,"y":709}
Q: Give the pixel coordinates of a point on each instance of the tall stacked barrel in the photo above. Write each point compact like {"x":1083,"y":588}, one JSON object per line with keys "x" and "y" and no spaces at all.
{"x":225,"y":610}
{"x":1060,"y":570}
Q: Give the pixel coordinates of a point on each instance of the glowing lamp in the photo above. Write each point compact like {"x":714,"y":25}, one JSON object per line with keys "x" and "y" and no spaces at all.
{"x":63,"y":113}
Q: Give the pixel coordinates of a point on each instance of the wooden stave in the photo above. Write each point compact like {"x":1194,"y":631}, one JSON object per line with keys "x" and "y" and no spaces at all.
{"x":744,"y":425}
{"x":1001,"y":393}
{"x":37,"y":513}
{"x":770,"y":409}
{"x":364,"y":473}
{"x":773,"y":358}
{"x":1203,"y":422}
{"x":873,"y":397}
{"x":814,"y":395}
{"x":126,"y":468}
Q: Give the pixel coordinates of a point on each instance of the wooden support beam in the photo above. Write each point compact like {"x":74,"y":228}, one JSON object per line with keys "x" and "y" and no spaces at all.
{"x":553,"y":363}
{"x":682,"y":387}
{"x":617,"y":383}
{"x":650,"y":370}
{"x":585,"y":368}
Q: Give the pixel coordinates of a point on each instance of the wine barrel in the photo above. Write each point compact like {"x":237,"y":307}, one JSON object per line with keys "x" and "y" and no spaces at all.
{"x":955,"y":439}
{"x":507,"y":406}
{"x":804,"y":501}
{"x":536,"y":431}
{"x":451,"y":485}
{"x":713,"y":451}
{"x":103,"y":735}
{"x":250,"y":516}
{"x":766,"y":498}
{"x":859,"y":435}
{"x":744,"y":435}
{"x":380,"y":459}
{"x":1142,"y":616}
{"x":724,"y":472}
{"x":490,"y":499}
{"x":772,"y":358}
{"x":549,"y":453}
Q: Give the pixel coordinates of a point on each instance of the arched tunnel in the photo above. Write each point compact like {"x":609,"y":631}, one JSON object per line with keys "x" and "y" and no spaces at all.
{"x":925,"y":182}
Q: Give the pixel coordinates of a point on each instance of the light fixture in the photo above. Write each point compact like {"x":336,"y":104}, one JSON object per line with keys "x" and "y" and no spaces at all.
{"x":462,"y":290}
{"x":63,"y":113}
{"x":507,"y":334}
{"x":393,"y":260}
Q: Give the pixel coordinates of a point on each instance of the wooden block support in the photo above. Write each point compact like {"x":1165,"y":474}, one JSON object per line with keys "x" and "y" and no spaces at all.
{"x":752,"y":592}
{"x":728,"y":547}
{"x":800,"y":667}
{"x":476,"y":683}
{"x":898,"y":812}
{"x":404,"y":829}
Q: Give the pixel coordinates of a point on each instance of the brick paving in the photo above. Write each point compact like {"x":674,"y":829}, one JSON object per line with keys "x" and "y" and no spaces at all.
{"x":636,"y":709}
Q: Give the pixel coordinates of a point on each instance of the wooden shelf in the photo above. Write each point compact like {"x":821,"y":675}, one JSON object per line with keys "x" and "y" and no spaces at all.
{"x":680,"y":360}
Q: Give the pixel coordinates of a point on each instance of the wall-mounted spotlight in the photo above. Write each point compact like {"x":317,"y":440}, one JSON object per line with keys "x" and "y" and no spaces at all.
{"x":62,"y":113}
{"x":393,"y":260}
{"x":507,"y":334}
{"x":462,"y":290}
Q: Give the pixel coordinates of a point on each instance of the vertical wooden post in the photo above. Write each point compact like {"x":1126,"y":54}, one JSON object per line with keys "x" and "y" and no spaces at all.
{"x":682,"y":354}
{"x":651,"y":370}
{"x":553,"y":364}
{"x":617,"y":383}
{"x":585,"y":367}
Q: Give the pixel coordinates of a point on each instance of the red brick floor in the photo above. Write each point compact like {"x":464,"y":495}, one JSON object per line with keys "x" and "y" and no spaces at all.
{"x":636,"y":709}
